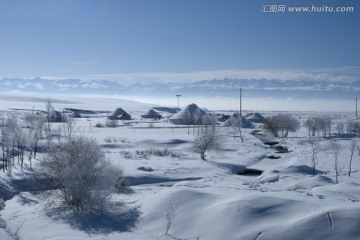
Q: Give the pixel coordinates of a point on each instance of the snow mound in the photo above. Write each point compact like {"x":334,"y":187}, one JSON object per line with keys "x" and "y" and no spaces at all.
{"x":313,"y":182}
{"x":330,"y":225}
{"x":298,"y":169}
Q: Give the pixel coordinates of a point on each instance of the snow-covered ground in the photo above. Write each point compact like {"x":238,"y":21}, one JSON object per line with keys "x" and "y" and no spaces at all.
{"x":208,"y":199}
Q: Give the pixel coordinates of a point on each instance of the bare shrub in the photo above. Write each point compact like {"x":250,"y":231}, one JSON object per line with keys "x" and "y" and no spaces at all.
{"x":147,"y":153}
{"x":207,"y":140}
{"x":127,"y":154}
{"x":79,"y":170}
{"x":108,"y":139}
{"x":172,"y":211}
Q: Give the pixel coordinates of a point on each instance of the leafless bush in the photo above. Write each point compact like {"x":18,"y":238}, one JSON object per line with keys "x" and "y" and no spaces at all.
{"x":127,"y":154}
{"x":108,"y":139}
{"x":79,"y":170}
{"x":172,"y":211}
{"x":147,"y":153}
{"x":207,"y":140}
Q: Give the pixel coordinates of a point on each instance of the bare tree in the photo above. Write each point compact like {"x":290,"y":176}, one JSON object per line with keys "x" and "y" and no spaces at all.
{"x":21,"y":138}
{"x":8,"y":131}
{"x":13,"y":138}
{"x":337,"y":166}
{"x":318,"y":124}
{"x":236,"y":124}
{"x":352,"y":146}
{"x":315,"y":147}
{"x":272,"y":126}
{"x":69,"y":128}
{"x":312,"y":126}
{"x":340,"y":128}
{"x":350,"y":127}
{"x":79,"y":170}
{"x":210,"y":120}
{"x":207,"y":140}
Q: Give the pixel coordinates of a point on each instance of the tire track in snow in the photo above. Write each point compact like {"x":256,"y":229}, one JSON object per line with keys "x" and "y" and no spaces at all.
{"x":331,"y":220}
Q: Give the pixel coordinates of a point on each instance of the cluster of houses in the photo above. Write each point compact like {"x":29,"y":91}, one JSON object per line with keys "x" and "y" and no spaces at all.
{"x":192,"y":115}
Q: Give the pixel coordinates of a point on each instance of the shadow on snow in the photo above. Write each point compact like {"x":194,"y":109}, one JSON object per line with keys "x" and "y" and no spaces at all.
{"x":118,"y":218}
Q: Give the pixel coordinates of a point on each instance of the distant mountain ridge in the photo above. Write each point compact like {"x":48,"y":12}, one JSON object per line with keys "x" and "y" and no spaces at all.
{"x":321,"y":89}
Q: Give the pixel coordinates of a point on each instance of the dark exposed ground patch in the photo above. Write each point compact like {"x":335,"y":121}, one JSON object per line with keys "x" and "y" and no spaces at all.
{"x":250,"y":172}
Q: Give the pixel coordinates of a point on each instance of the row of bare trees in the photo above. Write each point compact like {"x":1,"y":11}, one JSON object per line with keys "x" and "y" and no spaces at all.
{"x":318,"y":125}
{"x":350,"y":127}
{"x":17,"y":137}
{"x":336,"y":151}
{"x":281,"y":124}
{"x":75,"y":165}
{"x":22,"y":134}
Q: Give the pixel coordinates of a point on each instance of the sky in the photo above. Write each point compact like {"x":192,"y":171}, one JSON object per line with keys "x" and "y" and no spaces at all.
{"x":145,"y":40}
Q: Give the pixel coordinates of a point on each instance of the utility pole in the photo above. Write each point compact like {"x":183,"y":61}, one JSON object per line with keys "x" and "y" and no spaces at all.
{"x":178,"y":96}
{"x":356,"y":107}
{"x":240,"y":101}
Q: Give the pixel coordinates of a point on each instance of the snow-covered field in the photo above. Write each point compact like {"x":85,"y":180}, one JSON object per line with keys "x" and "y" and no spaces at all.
{"x":206,"y":199}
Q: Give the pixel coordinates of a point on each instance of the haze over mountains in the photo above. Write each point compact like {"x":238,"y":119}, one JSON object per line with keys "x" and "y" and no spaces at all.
{"x":300,"y":89}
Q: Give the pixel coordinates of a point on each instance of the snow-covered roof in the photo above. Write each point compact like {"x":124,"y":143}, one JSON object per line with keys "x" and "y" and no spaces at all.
{"x":238,"y":120}
{"x":256,"y":116}
{"x":119,"y":112}
{"x":152,"y":112}
{"x":191,"y":114}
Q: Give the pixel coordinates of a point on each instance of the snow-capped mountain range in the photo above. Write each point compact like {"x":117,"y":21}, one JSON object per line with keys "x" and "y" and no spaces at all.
{"x":223,"y":87}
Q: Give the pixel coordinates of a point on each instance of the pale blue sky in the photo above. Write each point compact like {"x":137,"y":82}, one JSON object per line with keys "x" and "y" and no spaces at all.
{"x":115,"y":39}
